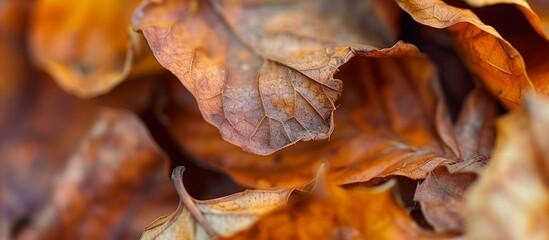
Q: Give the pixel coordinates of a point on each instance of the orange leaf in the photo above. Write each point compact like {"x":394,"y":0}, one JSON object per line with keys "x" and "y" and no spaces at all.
{"x":87,"y":46}
{"x":485,"y":52}
{"x":330,"y":212}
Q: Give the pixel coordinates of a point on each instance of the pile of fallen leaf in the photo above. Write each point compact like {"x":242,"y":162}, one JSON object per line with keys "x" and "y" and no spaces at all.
{"x":352,"y":119}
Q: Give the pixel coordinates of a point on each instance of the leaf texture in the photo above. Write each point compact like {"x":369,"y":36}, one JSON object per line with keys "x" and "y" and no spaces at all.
{"x":258,"y":79}
{"x":222,"y":217}
{"x":378,"y":132}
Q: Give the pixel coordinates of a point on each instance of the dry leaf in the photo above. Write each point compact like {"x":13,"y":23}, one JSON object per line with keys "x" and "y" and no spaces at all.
{"x":511,"y":198}
{"x":104,"y":183}
{"x":221,"y":217}
{"x":262,"y":72}
{"x":330,"y":212}
{"x":392,"y":121}
{"x":485,"y":52}
{"x":442,"y":201}
{"x":441,"y":195}
{"x":475,"y":132}
{"x":541,"y":8}
{"x":87,"y":46}
{"x":519,"y":25}
{"x":41,"y":130}
{"x":537,"y":21}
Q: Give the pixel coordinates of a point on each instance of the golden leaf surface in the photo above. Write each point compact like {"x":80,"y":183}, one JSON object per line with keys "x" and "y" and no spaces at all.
{"x":221,"y":217}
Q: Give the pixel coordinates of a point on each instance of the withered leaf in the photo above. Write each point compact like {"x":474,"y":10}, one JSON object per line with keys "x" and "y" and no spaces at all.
{"x":475,"y":132}
{"x":441,"y":195}
{"x":442,"y":201}
{"x":221,"y":217}
{"x":537,"y":19}
{"x":541,"y":8}
{"x":392,"y":121}
{"x":485,"y":52}
{"x":330,"y":212}
{"x":41,"y":130}
{"x":105,"y":182}
{"x":87,"y":46}
{"x":511,"y":198}
{"x":262,"y":72}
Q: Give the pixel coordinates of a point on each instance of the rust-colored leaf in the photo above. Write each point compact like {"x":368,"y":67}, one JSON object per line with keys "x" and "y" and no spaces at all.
{"x":392,"y":121}
{"x":541,"y":9}
{"x":262,"y":72}
{"x":511,"y":198}
{"x":87,"y":46}
{"x":104,"y":183}
{"x":498,"y":63}
{"x":40,"y":130}
{"x":441,"y":195}
{"x":442,"y":201}
{"x":222,"y":217}
{"x":475,"y":132}
{"x":330,"y":212}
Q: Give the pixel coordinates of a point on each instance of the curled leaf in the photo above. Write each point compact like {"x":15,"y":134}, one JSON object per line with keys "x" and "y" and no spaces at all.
{"x":475,"y":132}
{"x":330,"y":212}
{"x":87,"y":46}
{"x":485,"y":52}
{"x":442,"y":193}
{"x":262,"y":72}
{"x":392,"y":121}
{"x":221,"y":217}
{"x":511,"y":198}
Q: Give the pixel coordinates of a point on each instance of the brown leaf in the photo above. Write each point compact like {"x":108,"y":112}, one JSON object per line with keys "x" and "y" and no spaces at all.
{"x":43,"y":126}
{"x":442,"y":201}
{"x":541,"y":9}
{"x":330,"y":212}
{"x":104,"y":183}
{"x":392,"y":121}
{"x":221,"y":217}
{"x":511,"y":198}
{"x":441,"y":195}
{"x":475,"y":132}
{"x":485,"y":52}
{"x":263,"y":72}
{"x":87,"y":46}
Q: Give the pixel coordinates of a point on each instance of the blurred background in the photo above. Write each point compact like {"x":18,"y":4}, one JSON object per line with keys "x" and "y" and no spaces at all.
{"x":91,"y":125}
